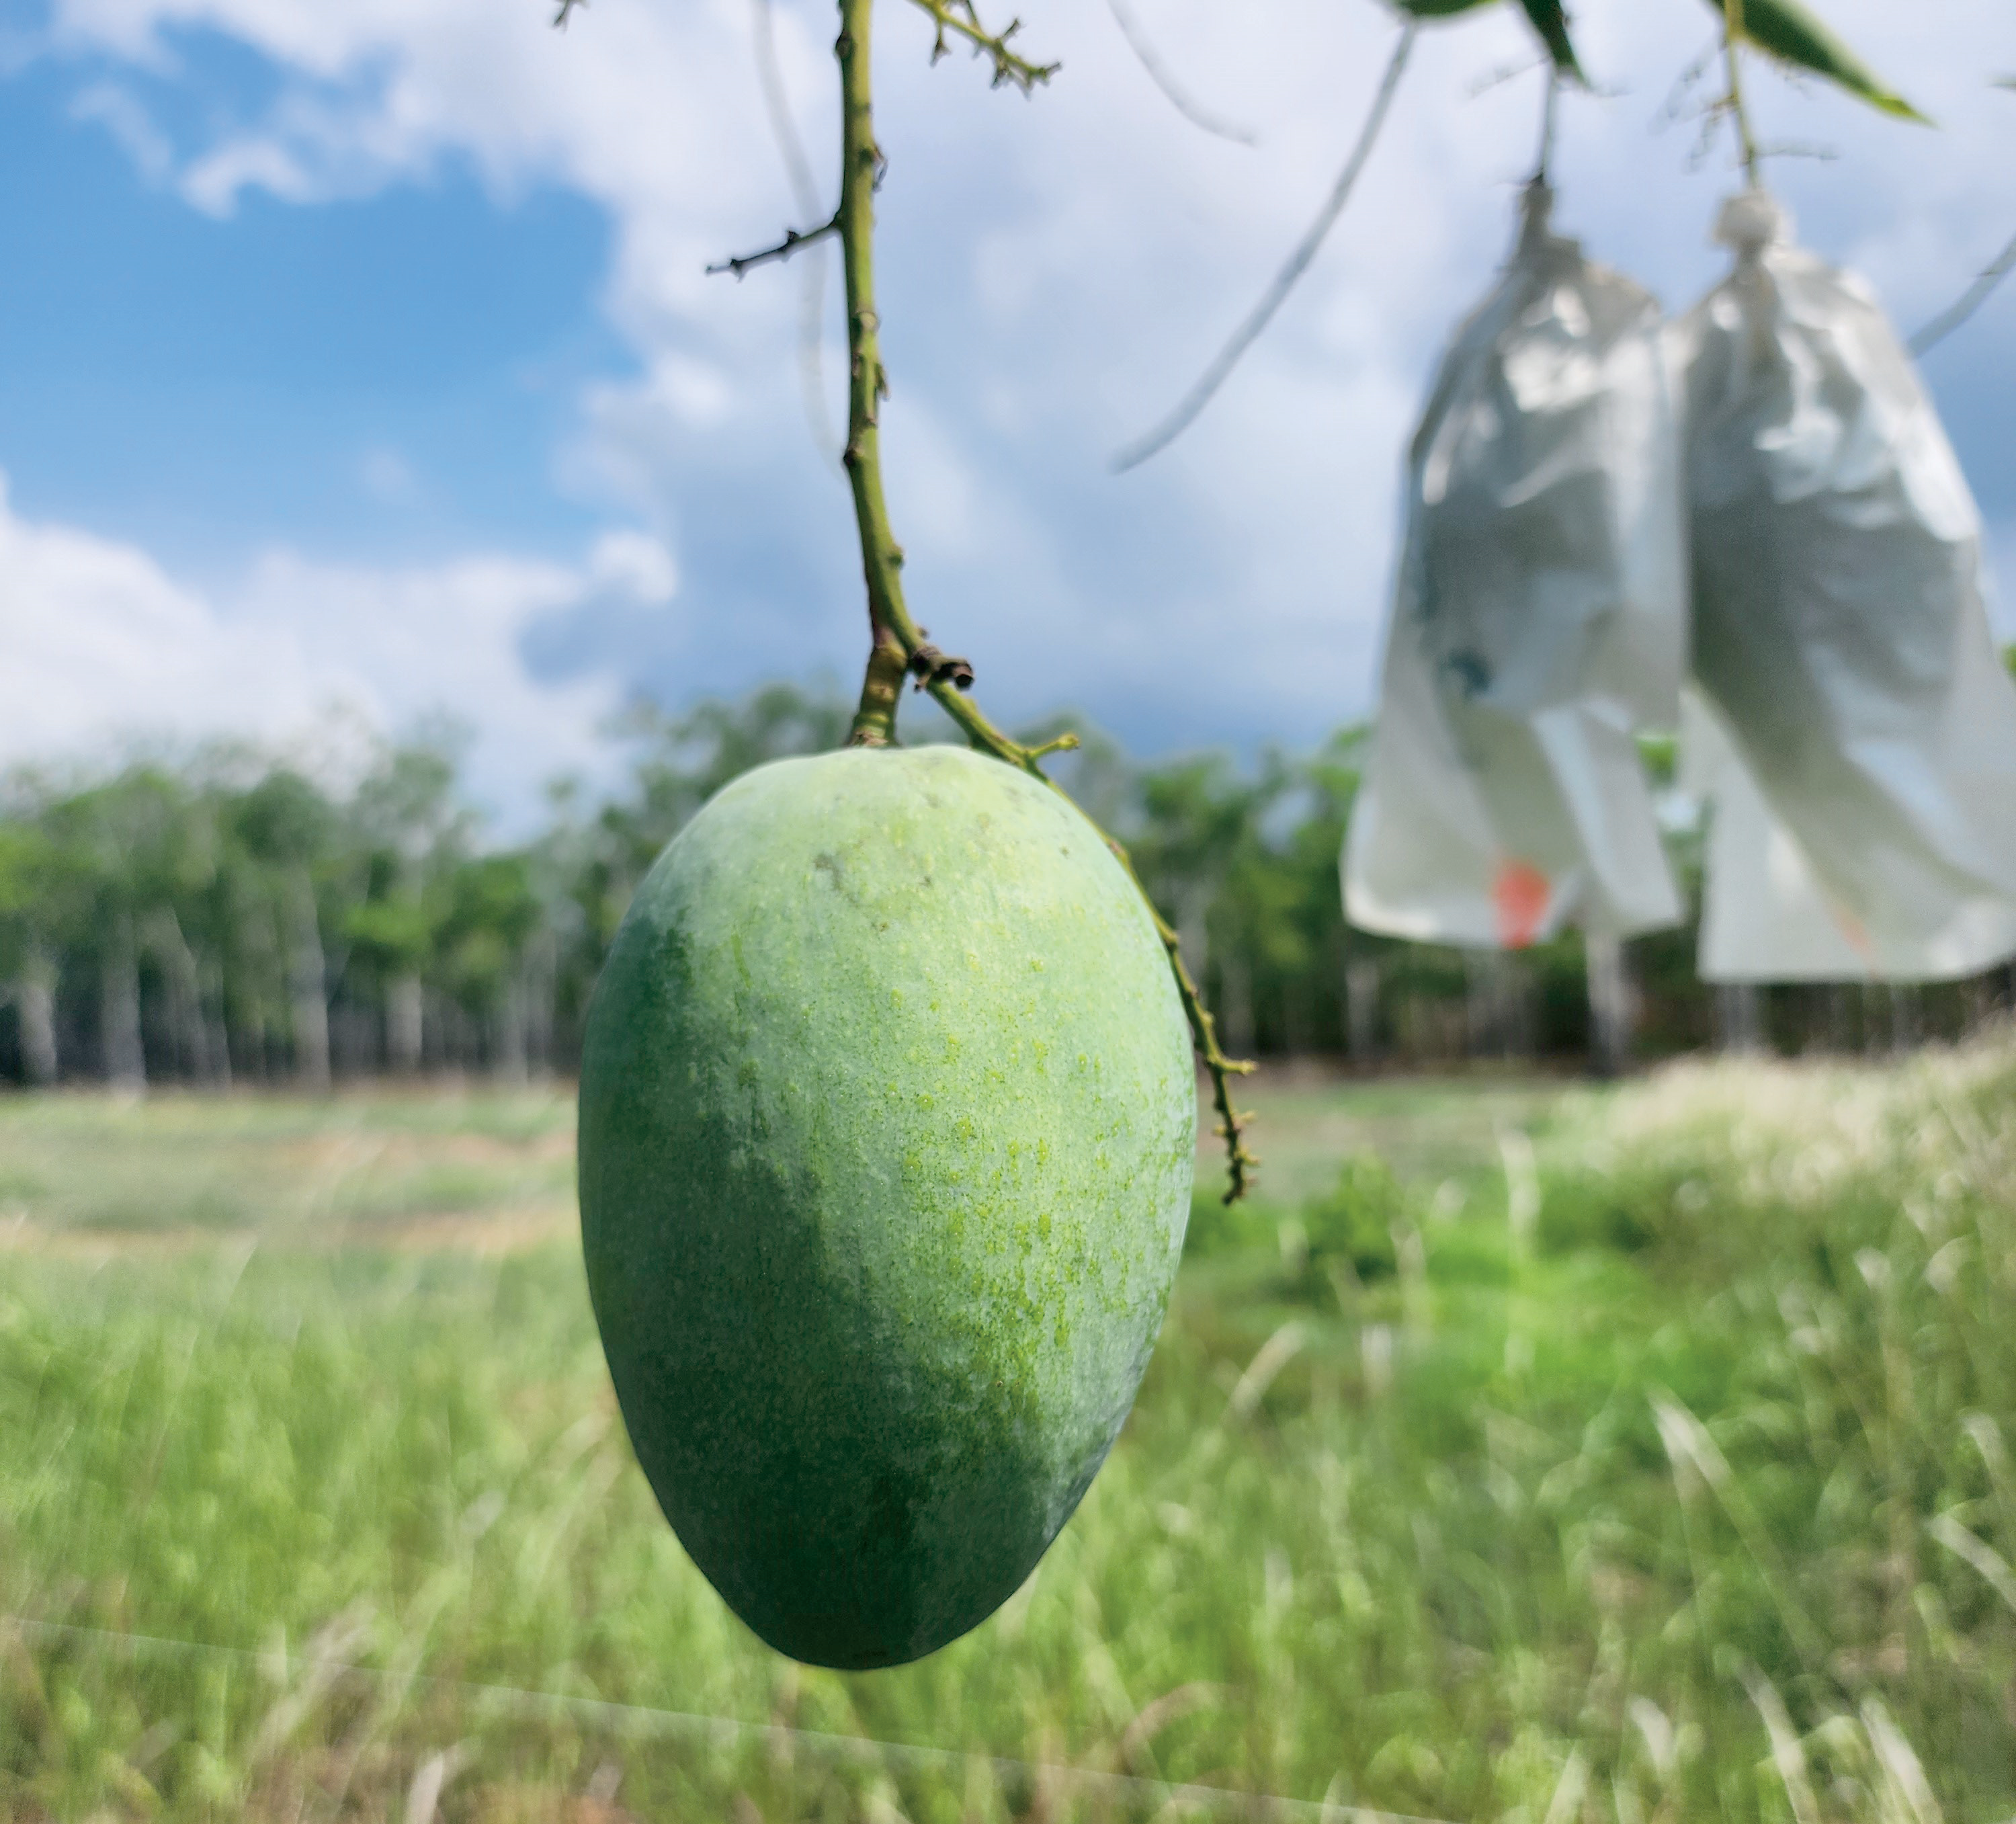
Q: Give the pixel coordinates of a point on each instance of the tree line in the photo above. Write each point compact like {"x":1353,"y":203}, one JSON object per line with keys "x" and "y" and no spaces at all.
{"x":226,"y":917}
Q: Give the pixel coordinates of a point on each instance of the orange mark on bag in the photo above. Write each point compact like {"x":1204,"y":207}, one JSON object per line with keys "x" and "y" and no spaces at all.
{"x":1855,"y":931}
{"x":1521,"y":895}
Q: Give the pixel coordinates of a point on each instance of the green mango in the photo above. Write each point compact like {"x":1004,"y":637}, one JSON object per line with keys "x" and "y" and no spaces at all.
{"x":888,"y":1130}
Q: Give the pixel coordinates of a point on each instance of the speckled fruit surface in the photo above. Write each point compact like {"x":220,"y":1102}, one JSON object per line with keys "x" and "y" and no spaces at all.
{"x":886,"y":1129}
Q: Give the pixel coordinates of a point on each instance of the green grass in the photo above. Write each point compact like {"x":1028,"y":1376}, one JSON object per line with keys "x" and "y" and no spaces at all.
{"x":290,"y":1170}
{"x":1672,"y":1483}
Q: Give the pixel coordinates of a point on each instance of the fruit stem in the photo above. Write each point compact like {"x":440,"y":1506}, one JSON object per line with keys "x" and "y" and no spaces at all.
{"x":881,"y":691}
{"x":1232,"y":1122}
{"x":1732,"y":41}
{"x":899,"y":647}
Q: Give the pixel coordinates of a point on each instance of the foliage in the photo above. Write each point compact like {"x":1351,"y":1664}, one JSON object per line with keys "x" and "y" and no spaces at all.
{"x":249,"y":892}
{"x":1787,"y":29}
{"x":1713,"y":1517}
{"x":1352,"y":1225}
{"x":1792,"y":33}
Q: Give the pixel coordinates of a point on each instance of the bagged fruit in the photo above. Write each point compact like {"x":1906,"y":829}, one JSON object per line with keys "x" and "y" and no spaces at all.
{"x":1861,"y":731}
{"x":1537,"y":622}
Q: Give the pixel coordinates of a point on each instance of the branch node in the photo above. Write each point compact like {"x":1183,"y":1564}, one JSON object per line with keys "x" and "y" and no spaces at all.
{"x":1262,"y":314}
{"x":740,"y":263}
{"x":901,"y":648}
{"x":961,"y":18}
{"x":933,"y":667}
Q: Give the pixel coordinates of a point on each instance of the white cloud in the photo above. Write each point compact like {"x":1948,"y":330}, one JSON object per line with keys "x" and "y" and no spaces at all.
{"x":132,"y":128}
{"x":635,"y":566}
{"x":389,"y":478}
{"x":104,"y":645}
{"x":1054,"y":273}
{"x":213,"y":182}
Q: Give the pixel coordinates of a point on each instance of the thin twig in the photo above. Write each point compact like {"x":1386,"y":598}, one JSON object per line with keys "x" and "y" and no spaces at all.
{"x":1679,"y":100}
{"x":566,"y":13}
{"x":1249,"y":332}
{"x":1732,"y":41}
{"x":898,"y":647}
{"x":792,"y":242}
{"x":1233,"y":1121}
{"x":1813,"y":148}
{"x":1159,"y":73}
{"x":777,"y":105}
{"x":1549,"y":106}
{"x":1969,"y":301}
{"x":961,"y":18}
{"x":1506,"y":73}
{"x":804,"y":191}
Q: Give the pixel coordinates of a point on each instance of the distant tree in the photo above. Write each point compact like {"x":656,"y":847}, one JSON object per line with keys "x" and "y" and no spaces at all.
{"x":33,"y":892}
{"x":286,"y":827}
{"x":484,"y":915}
{"x":139,"y":848}
{"x":682,"y":761}
{"x":679,"y":762}
{"x":230,"y":914}
{"x":408,"y":824}
{"x":1191,"y":816}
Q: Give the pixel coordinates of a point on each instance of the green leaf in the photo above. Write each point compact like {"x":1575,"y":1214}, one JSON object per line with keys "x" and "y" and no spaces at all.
{"x":1439,"y":8}
{"x":1794,"y":34}
{"x":1549,"y":20}
{"x":1552,"y":23}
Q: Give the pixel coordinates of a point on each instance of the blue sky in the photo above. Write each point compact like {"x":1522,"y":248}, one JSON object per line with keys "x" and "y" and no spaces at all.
{"x":361,"y":356}
{"x":386,"y":375}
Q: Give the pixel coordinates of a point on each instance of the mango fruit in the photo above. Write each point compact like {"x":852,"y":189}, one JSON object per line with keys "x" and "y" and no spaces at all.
{"x":888,"y":1130}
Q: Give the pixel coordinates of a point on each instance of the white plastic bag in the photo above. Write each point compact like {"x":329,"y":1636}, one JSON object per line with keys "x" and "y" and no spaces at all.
{"x":1861,"y":756}
{"x":1537,"y":622}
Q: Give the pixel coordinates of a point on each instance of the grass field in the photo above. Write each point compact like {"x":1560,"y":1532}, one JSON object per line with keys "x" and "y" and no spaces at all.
{"x":1529,"y":1453}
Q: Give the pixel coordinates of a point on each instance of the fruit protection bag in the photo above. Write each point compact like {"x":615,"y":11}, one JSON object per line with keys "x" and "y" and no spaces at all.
{"x":1857,"y":739}
{"x":1537,"y":622}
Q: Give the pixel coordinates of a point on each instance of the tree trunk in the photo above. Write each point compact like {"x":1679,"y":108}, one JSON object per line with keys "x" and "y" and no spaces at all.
{"x":192,"y":1031}
{"x":542,"y":985}
{"x":1980,"y":1004}
{"x":1497,"y":1004}
{"x":308,"y":984}
{"x":1361,"y":1008}
{"x":405,"y":1024}
{"x":1906,"y":1016}
{"x":125,"y":1059}
{"x":1612,"y":1015}
{"x":1477,"y":1009}
{"x":509,"y":1060}
{"x":1739,"y":1022}
{"x":1191,"y":938}
{"x":1235,"y":1009}
{"x":216,"y":1021}
{"x":35,"y":1001}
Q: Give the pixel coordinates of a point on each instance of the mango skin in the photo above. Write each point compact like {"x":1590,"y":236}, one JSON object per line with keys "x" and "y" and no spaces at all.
{"x":887,"y":1127}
